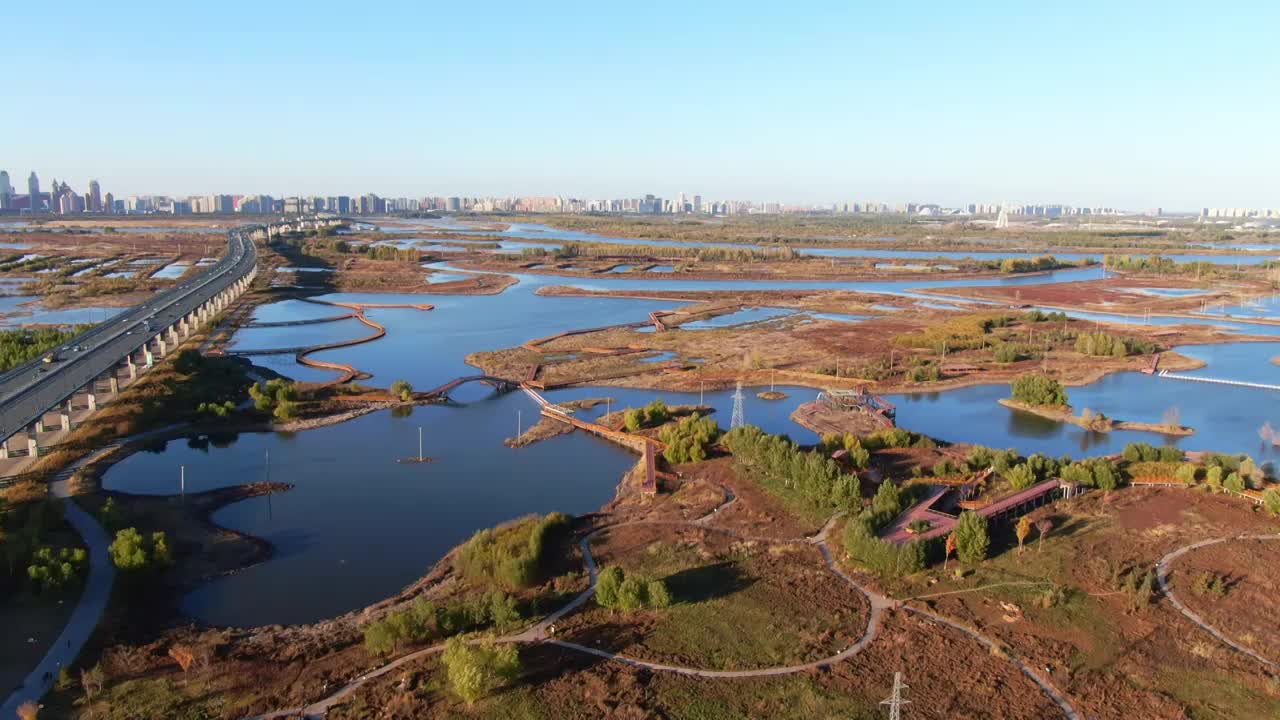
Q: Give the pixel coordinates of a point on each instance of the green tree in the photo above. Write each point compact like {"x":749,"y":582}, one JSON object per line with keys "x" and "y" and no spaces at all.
{"x":1271,"y":501}
{"x":130,"y":551}
{"x":607,"y":586}
{"x":888,"y":499}
{"x":1234,"y":483}
{"x":972,"y":538}
{"x":1020,"y":477}
{"x":1186,"y":473}
{"x":475,"y":671}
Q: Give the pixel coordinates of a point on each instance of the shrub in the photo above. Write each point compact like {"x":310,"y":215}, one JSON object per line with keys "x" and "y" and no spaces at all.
{"x":1207,"y":583}
{"x":972,"y":538}
{"x":474,"y":671}
{"x":402,"y":389}
{"x":1011,"y":353}
{"x":1037,"y":389}
{"x":1234,"y":483}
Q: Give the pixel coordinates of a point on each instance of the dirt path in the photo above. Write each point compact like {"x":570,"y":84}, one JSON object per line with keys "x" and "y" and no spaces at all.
{"x":1162,"y":577}
{"x":541,"y":632}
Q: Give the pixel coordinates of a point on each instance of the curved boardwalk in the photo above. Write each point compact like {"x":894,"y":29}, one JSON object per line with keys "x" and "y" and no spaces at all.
{"x":1162,"y":577}
{"x":540,"y":631}
{"x":347,"y":373}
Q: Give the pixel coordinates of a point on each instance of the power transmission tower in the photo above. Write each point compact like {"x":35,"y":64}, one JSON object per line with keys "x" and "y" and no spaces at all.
{"x":738,"y":419}
{"x":895,"y":701}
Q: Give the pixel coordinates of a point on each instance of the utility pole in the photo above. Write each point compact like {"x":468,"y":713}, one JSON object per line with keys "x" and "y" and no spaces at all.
{"x":519,"y":425}
{"x":182,"y":480}
{"x":419,"y":443}
{"x":895,"y":701}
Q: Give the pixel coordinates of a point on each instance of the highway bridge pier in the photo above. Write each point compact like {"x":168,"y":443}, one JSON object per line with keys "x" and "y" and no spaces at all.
{"x":42,"y":401}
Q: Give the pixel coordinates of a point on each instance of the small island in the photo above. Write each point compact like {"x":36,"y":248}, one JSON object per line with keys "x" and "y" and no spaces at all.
{"x":1045,"y":396}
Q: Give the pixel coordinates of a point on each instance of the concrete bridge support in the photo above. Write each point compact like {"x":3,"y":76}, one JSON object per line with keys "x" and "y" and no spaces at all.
{"x":113,"y":382}
{"x":133,"y":369}
{"x":64,"y":419}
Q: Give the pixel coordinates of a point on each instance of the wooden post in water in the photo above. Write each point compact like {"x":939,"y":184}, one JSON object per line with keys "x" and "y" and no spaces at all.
{"x":419,"y":443}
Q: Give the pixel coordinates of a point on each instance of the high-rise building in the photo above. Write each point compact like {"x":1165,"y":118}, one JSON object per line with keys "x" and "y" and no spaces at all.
{"x":109,"y":204}
{"x":6,"y":191}
{"x":33,"y":191}
{"x":94,"y":202}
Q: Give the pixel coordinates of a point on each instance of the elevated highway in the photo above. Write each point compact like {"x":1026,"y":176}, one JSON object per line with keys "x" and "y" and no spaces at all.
{"x":95,"y":361}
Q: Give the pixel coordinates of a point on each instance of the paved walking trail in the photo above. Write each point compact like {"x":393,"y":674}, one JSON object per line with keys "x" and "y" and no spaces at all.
{"x":1162,"y":577}
{"x":88,"y":610}
{"x":97,"y":591}
{"x":539,"y":632}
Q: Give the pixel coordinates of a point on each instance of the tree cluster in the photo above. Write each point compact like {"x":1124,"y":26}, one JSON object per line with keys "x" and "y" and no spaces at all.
{"x":132,"y":552}
{"x":1144,"y":452}
{"x":1038,"y":389}
{"x":424,"y":621}
{"x":277,"y":396}
{"x":617,"y":590}
{"x":1037,"y":264}
{"x":651,"y":415}
{"x":476,"y":670}
{"x":1105,"y":344}
{"x":810,"y":478}
{"x":881,"y":556}
{"x":21,"y":346}
{"x":510,"y":556}
{"x":53,"y":570}
{"x":858,"y":456}
{"x":688,"y":440}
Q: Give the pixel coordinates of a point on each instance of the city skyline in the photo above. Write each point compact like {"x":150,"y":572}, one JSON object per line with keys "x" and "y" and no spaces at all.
{"x":62,"y":198}
{"x":801,"y":105}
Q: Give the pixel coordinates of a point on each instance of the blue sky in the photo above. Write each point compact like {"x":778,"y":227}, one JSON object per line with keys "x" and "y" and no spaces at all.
{"x":1133,"y":104}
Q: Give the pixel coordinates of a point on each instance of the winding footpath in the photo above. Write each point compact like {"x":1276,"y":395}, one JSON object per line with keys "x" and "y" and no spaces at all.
{"x":1162,"y":577}
{"x":93,"y":599}
{"x":541,"y":632}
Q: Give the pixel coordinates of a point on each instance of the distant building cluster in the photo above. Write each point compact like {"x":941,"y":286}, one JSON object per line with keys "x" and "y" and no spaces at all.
{"x":1240,"y":214}
{"x":62,"y":199}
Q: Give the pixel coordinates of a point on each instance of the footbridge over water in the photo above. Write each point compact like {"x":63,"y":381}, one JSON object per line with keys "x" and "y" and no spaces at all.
{"x":501,"y":385}
{"x":1216,"y":381}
